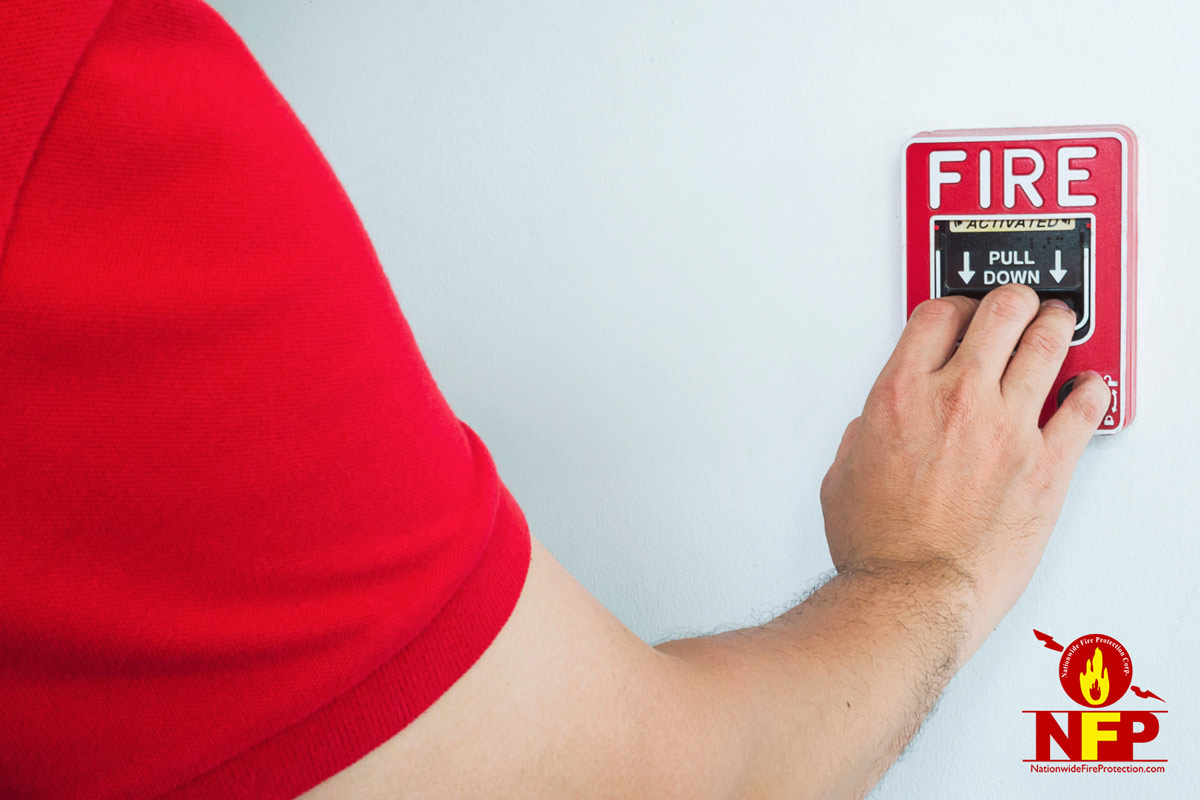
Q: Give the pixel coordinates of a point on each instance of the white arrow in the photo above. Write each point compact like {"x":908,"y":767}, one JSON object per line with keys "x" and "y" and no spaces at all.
{"x":1058,"y":272}
{"x":965,"y":273}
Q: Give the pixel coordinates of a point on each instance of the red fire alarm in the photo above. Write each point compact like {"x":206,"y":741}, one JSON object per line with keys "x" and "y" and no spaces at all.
{"x":1053,"y":208}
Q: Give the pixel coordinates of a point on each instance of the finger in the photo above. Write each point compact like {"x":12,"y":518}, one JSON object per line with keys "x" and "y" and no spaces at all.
{"x":989,"y":341}
{"x":933,"y":329}
{"x":1070,"y":429}
{"x":1031,"y":373}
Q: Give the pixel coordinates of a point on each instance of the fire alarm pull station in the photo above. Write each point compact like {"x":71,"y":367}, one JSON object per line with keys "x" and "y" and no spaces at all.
{"x":1053,"y":208}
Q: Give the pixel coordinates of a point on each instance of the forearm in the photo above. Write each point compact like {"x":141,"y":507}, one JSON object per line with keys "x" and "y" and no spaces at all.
{"x":945,"y":459}
{"x":822,"y":699}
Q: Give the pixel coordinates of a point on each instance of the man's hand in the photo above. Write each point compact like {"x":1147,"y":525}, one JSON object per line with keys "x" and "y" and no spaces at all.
{"x":937,"y":508}
{"x":946,"y":468}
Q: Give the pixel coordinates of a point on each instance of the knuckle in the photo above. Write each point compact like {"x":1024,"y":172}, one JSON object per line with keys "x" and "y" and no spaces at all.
{"x":1044,"y":343}
{"x":956,"y":402}
{"x":828,"y":487}
{"x":1013,"y":302}
{"x":892,"y":396}
{"x":851,"y":431}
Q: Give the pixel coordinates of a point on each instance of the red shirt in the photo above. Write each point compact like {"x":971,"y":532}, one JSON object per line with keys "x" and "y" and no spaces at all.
{"x":243,"y":538}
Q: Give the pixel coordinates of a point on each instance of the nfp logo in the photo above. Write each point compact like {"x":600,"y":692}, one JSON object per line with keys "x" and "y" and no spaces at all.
{"x":1095,"y":671}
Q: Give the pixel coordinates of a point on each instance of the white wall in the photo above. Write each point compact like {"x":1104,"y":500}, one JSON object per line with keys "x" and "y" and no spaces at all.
{"x":650,"y":251}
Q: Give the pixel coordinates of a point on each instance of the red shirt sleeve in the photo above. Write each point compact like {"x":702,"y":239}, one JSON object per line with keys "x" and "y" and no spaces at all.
{"x":243,"y":538}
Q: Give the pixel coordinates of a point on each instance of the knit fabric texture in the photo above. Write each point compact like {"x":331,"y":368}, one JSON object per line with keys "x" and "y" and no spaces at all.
{"x":243,"y":538}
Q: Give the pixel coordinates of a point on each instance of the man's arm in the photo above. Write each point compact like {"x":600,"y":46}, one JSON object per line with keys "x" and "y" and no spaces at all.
{"x":937,"y":509}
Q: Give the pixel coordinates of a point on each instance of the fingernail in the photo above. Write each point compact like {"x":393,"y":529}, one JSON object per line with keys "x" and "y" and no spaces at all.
{"x":1055,"y":303}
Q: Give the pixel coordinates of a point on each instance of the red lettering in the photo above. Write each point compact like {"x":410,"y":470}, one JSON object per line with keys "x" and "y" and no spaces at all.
{"x":1133,"y":727}
{"x":1048,"y":729}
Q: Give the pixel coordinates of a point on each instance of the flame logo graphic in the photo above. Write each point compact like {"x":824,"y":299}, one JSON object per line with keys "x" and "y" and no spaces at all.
{"x":1094,"y":680}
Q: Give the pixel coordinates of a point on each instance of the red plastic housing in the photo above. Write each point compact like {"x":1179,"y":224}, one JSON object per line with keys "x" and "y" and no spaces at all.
{"x":1084,"y":173}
